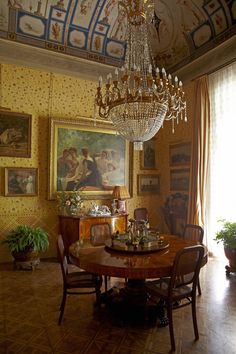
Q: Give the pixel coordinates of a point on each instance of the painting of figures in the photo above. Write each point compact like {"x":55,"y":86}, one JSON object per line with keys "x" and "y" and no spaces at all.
{"x":15,"y":134}
{"x":21,"y":182}
{"x":87,"y":159}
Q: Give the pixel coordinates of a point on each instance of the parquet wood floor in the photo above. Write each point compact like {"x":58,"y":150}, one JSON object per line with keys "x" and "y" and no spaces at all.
{"x":29,"y":310}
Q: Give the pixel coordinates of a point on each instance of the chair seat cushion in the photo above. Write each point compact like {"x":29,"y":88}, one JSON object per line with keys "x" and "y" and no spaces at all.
{"x":159,"y":288}
{"x":82,"y":280}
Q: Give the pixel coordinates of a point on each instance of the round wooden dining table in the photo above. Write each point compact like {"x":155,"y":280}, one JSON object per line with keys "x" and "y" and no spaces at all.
{"x":131,"y":302}
{"x":134,"y":265}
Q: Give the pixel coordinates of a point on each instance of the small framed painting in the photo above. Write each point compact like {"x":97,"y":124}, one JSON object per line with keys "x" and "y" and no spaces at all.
{"x":179,"y":180}
{"x":148,"y":158}
{"x":21,"y":182}
{"x":15,"y":134}
{"x":148,"y":184}
{"x":180,"y":154}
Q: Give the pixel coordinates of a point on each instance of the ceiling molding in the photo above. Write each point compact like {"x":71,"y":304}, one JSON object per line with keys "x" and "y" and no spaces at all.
{"x":209,"y":62}
{"x":36,"y":58}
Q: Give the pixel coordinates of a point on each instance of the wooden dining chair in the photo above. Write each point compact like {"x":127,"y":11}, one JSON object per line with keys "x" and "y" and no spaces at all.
{"x":194,"y":233}
{"x":99,"y":233}
{"x":180,"y":286}
{"x":84,"y":282}
{"x":141,"y":214}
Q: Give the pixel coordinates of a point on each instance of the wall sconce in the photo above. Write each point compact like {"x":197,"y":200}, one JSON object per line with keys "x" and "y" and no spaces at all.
{"x":120,"y":194}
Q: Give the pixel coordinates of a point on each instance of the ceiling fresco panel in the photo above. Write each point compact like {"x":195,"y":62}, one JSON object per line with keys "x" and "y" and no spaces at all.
{"x":233,"y":10}
{"x":83,"y":13}
{"x":77,"y":39}
{"x":181,"y":30}
{"x":30,"y":25}
{"x":97,"y":43}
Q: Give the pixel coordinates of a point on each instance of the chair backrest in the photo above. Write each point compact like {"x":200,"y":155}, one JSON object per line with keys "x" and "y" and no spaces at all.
{"x":193,"y":233}
{"x":175,"y":212}
{"x":61,"y":254}
{"x":186,"y":267}
{"x":99,"y":233}
{"x":141,"y":214}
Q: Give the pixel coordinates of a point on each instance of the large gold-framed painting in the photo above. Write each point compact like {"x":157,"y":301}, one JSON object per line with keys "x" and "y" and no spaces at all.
{"x":92,"y":159}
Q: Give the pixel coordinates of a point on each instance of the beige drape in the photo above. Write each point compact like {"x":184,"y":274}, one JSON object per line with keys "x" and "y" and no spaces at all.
{"x":200,"y":152}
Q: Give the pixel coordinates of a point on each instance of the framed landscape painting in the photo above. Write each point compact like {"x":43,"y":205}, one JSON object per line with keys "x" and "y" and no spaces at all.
{"x":179,"y":180}
{"x":87,"y":158}
{"x":21,"y":182}
{"x":180,"y":154}
{"x":148,"y":158}
{"x":15,"y":134}
{"x":148,"y":184}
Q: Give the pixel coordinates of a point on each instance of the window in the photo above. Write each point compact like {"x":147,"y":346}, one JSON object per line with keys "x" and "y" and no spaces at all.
{"x":221,"y":201}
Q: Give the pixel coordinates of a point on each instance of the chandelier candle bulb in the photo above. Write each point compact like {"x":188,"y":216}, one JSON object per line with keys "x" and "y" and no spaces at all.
{"x":176,"y":81}
{"x":163,"y":73}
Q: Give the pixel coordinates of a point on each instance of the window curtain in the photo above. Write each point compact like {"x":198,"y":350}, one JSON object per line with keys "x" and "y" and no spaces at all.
{"x":200,"y":152}
{"x":221,"y":190}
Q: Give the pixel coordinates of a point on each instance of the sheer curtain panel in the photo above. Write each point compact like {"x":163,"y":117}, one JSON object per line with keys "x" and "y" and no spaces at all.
{"x":221,"y":196}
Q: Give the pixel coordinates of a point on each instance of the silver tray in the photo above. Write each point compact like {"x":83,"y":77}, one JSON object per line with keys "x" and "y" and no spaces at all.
{"x":152,"y":246}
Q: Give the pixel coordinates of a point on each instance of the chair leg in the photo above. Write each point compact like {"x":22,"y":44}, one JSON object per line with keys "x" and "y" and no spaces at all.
{"x":171,"y":328}
{"x":62,"y":307}
{"x":98,"y":296}
{"x":199,"y":288}
{"x":194,"y":315}
{"x":105,"y":280}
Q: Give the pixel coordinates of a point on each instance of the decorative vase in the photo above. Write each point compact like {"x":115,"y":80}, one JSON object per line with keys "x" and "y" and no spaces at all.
{"x":72,"y":211}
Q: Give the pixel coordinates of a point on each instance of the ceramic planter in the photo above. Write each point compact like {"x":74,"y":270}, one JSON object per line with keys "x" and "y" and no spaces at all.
{"x":26,"y":259}
{"x":230,"y":254}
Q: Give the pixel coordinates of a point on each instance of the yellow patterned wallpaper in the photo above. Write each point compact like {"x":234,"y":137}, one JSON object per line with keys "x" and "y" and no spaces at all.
{"x":45,"y":95}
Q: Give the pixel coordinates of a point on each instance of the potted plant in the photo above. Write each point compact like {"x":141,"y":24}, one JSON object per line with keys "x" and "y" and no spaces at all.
{"x":227,"y":235}
{"x":25,"y":242}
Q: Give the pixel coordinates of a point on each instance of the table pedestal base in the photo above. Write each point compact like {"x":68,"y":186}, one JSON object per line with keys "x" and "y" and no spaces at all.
{"x":130,"y":304}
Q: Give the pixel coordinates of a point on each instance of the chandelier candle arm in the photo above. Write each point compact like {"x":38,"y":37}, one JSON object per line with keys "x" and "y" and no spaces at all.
{"x":139,"y":98}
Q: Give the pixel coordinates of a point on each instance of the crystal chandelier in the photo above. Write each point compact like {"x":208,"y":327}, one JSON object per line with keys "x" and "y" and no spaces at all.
{"x":139,"y":97}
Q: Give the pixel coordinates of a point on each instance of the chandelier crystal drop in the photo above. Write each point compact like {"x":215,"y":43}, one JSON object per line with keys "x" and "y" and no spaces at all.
{"x":138,"y":98}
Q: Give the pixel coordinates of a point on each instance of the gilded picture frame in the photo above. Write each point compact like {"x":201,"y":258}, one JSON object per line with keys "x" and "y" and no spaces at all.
{"x":180,"y":154}
{"x":148,"y":156}
{"x":88,"y":158}
{"x":15,"y":134}
{"x":21,"y":182}
{"x":179,"y":180}
{"x":148,"y":184}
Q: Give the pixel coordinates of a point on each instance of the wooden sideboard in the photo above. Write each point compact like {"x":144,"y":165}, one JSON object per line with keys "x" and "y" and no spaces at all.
{"x":73,"y":228}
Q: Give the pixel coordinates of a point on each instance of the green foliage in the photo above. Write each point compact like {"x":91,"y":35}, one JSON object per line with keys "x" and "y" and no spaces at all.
{"x":227,"y":234}
{"x":25,"y":237}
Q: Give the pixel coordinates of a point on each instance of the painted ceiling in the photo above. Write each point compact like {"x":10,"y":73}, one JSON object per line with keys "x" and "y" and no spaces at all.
{"x":95,"y":30}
